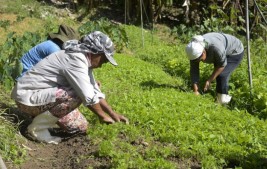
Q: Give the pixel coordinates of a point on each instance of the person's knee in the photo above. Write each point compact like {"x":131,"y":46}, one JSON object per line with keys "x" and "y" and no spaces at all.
{"x":73,"y":122}
{"x":223,"y":76}
{"x":83,"y":128}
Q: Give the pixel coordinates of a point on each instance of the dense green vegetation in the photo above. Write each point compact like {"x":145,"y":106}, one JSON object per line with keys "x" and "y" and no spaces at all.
{"x":150,"y":86}
{"x":223,"y":15}
{"x":10,"y":140}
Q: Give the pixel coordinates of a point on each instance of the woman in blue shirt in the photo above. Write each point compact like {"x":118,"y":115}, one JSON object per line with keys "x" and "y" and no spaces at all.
{"x":53,"y":44}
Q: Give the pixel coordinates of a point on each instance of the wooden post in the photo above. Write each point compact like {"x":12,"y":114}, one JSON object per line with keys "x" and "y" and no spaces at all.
{"x":141,"y":2}
{"x":248,"y":48}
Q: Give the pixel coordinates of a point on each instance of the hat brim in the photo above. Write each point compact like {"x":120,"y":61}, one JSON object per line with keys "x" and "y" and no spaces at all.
{"x":111,"y":59}
{"x":62,"y":38}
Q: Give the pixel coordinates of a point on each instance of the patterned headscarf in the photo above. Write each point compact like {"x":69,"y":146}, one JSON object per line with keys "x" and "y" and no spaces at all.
{"x":95,"y":42}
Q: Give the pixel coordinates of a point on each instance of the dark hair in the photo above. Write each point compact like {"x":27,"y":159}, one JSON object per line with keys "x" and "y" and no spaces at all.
{"x":58,"y":42}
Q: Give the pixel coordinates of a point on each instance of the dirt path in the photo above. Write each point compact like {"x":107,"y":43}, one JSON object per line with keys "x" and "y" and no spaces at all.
{"x":73,"y":153}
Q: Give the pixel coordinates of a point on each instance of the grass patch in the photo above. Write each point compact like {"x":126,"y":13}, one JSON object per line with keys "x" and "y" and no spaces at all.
{"x":173,"y":123}
{"x":11,"y":141}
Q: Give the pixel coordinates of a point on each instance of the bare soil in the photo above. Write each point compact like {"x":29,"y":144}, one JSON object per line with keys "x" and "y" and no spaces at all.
{"x":70,"y":154}
{"x":75,"y":151}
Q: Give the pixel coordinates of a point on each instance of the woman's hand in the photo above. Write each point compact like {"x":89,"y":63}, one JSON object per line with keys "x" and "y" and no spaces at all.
{"x":196,"y":93}
{"x":115,"y":116}
{"x":207,"y":86}
{"x":119,"y":118}
{"x":103,"y":117}
{"x":98,"y":83}
{"x":195,"y":89}
{"x":107,"y":120}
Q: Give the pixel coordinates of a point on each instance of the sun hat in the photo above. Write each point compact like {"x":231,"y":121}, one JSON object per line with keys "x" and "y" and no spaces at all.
{"x":195,"y":48}
{"x":64,"y":33}
{"x":99,"y":42}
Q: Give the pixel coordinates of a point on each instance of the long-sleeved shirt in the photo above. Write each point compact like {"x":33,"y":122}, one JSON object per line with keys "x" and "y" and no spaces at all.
{"x":38,"y":85}
{"x":219,"y":46}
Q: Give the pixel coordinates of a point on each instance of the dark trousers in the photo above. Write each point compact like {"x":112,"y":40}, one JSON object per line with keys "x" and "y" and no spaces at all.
{"x":223,"y":79}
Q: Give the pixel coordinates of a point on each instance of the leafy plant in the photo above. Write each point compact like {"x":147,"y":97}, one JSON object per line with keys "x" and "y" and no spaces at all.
{"x":177,"y":123}
{"x":11,"y":51}
{"x":114,"y":31}
{"x":4,"y":24}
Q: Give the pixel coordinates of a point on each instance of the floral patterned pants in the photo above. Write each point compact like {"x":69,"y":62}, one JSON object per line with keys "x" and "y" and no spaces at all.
{"x":65,"y":108}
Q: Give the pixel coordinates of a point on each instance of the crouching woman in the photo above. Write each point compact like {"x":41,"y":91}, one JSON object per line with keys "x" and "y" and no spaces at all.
{"x":54,"y":88}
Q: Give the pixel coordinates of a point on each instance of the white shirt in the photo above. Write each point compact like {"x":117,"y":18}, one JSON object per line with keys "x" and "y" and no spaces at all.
{"x":38,"y":86}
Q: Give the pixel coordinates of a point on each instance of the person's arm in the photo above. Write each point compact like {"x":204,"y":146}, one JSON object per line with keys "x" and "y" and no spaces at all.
{"x":115,"y":116}
{"x":220,"y":62}
{"x":194,"y":74}
{"x":215,"y":73}
{"x":97,"y":109}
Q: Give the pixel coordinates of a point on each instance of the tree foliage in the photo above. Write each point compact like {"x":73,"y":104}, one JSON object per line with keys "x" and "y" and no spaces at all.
{"x":191,"y":13}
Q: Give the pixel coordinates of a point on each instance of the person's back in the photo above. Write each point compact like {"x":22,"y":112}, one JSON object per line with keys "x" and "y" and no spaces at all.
{"x":53,"y":44}
{"x":37,"y":53}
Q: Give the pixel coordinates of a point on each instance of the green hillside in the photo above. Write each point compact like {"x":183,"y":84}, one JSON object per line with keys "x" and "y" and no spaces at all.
{"x":169,"y":126}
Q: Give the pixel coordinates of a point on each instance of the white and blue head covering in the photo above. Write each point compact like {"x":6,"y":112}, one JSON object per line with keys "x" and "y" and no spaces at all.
{"x":95,"y":42}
